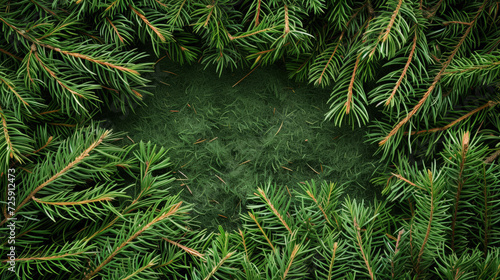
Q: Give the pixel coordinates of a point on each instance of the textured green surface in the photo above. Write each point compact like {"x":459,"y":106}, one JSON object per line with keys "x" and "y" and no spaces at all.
{"x":272,"y":122}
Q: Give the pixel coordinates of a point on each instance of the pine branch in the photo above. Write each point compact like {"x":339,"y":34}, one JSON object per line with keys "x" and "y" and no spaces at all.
{"x":173,"y":209}
{"x":116,"y":30}
{"x":10,"y":54}
{"x":188,"y":250}
{"x":260,"y":228}
{"x":273,"y":209}
{"x":335,"y":246}
{"x":359,"y":241}
{"x":148,"y":265}
{"x":319,"y":80}
{"x":350,"y":89}
{"x":489,"y":104}
{"x":65,"y":169}
{"x":214,"y":270}
{"x":428,"y":231}
{"x":88,"y":58}
{"x":460,"y":179}
{"x":437,"y":78}
{"x":296,"y":248}
{"x":145,"y":20}
{"x":405,"y":69}
{"x":14,"y":142}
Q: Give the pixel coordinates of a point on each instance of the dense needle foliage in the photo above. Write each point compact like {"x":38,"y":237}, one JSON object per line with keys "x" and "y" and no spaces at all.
{"x":85,"y":207}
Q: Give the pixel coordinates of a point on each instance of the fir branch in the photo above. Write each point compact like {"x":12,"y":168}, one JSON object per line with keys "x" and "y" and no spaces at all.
{"x":187,"y":249}
{"x":163,"y":216}
{"x":359,"y":241}
{"x":437,"y":78}
{"x":473,"y":68}
{"x":461,"y":181}
{"x":174,"y":19}
{"x":211,"y":7}
{"x":11,"y":54}
{"x":75,"y":162}
{"x":292,"y":257}
{"x":10,"y":148}
{"x":54,"y":76}
{"x":250,"y":34}
{"x":110,"y":5}
{"x":244,"y":244}
{"x":14,"y":142}
{"x":72,"y":203}
{"x":141,"y":269}
{"x":428,"y":231}
{"x":23,"y":259}
{"x":405,"y":69}
{"x":330,"y":59}
{"x":321,"y":209}
{"x":143,"y":18}
{"x":260,"y":228}
{"x":88,"y":58}
{"x":49,"y":140}
{"x":78,"y":55}
{"x":116,"y":30}
{"x":330,"y":268}
{"x":350,"y":88}
{"x":385,"y":35}
{"x":486,"y":219}
{"x":432,"y":11}
{"x":489,"y":104}
{"x":214,"y":270}
{"x":396,"y":251}
{"x":44,"y":8}
{"x":406,"y":180}
{"x":273,"y":209}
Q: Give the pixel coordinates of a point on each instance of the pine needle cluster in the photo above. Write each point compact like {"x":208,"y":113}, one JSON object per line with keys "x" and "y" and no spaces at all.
{"x":86,"y":207}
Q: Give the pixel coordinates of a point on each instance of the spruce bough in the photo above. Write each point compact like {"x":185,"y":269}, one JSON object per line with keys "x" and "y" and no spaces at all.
{"x":87,"y":208}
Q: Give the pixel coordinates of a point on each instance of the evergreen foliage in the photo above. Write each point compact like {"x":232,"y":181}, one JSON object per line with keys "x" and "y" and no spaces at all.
{"x":88,"y":208}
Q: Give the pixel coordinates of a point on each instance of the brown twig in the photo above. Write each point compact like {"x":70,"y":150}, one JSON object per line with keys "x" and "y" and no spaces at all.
{"x":406,"y":180}
{"x":287,"y":168}
{"x":257,"y":14}
{"x":279,"y":129}
{"x":246,"y":75}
